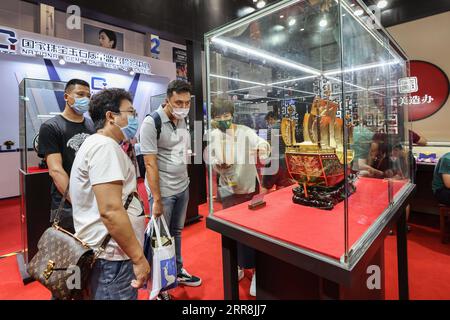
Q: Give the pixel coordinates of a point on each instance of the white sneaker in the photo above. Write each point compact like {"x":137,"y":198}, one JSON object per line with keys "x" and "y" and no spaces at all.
{"x":253,"y":285}
{"x":240,"y":273}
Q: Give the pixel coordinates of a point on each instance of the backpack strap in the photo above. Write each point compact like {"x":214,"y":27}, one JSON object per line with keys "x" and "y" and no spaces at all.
{"x":157,"y":119}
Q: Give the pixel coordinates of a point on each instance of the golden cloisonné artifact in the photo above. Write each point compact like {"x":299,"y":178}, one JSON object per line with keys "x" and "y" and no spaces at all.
{"x":317,"y":164}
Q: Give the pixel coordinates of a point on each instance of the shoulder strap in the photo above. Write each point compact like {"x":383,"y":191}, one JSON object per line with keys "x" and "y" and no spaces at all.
{"x":157,"y":119}
{"x":108,"y":236}
{"x":61,"y":206}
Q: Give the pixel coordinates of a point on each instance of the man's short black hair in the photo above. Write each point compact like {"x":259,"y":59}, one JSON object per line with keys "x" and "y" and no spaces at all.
{"x":269,"y":114}
{"x":221,"y":106}
{"x":72,"y":83}
{"x":104,"y":101}
{"x":111,"y":36}
{"x":178,"y":86}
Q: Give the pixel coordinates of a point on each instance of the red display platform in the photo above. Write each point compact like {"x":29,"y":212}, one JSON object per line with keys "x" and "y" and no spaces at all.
{"x":317,"y":230}
{"x":36,"y":170}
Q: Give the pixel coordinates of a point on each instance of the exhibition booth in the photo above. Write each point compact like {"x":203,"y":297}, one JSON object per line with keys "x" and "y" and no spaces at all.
{"x":307,"y":113}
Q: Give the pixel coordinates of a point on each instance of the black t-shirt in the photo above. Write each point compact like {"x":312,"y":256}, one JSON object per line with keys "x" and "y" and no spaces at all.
{"x":59,"y":135}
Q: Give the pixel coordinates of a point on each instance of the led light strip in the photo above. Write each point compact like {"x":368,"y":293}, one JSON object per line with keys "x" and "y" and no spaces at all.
{"x":235,"y":79}
{"x":295,"y":90}
{"x":266,"y":56}
{"x":292,"y":80}
{"x":363,"y":67}
{"x":356,"y":86}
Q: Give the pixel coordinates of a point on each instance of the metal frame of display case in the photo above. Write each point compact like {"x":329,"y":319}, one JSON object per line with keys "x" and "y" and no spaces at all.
{"x":354,"y":261}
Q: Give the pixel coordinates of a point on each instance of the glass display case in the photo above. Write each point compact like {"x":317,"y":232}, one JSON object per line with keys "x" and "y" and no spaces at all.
{"x":303,"y":108}
{"x":39,"y":101}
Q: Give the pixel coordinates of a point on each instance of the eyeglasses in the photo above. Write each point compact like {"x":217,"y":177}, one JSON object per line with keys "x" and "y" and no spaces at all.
{"x":133,"y":112}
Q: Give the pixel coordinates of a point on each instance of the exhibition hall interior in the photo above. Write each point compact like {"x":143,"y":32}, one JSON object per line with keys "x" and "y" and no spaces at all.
{"x":224,"y":150}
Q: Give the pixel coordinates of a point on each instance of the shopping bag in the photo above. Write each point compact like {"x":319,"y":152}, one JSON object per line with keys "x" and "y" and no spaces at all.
{"x":160,"y":252}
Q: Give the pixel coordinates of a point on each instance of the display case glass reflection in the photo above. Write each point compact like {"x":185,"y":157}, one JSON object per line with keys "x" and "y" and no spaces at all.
{"x":303,"y":106}
{"x":39,"y":101}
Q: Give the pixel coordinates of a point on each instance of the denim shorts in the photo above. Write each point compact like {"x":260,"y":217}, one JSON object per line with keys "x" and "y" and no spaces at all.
{"x":111,"y":280}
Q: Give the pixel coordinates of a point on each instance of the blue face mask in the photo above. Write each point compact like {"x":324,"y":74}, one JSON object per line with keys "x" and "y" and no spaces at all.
{"x":81,"y":105}
{"x":131,"y":129}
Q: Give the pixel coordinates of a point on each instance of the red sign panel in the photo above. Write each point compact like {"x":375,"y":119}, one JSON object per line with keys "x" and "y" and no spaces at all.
{"x":432,"y":93}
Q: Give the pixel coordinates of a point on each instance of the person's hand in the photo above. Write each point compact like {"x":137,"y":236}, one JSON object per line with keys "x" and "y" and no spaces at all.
{"x":141,"y":271}
{"x":157,"y":208}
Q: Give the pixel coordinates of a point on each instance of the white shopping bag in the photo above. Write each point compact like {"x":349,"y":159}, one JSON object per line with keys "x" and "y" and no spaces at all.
{"x":164,"y":266}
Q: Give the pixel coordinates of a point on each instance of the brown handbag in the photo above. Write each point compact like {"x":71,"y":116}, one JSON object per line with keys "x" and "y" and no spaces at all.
{"x":64,"y":262}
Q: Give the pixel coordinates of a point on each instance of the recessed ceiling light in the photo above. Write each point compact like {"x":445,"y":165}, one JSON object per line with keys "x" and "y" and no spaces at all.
{"x":282,"y":16}
{"x":255,"y":0}
{"x":323,"y":22}
{"x":260,"y":4}
{"x":62,"y":61}
{"x":292,"y":22}
{"x":382,"y":4}
{"x":302,"y":29}
{"x":359,"y":12}
{"x":352,"y":5}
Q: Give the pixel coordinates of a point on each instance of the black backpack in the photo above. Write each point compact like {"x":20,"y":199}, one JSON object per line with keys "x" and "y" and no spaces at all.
{"x":157,"y":119}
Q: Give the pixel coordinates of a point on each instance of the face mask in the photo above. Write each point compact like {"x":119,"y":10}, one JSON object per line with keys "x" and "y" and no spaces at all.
{"x":131,"y":129}
{"x":223,"y":125}
{"x":81,"y":105}
{"x":180,"y":113}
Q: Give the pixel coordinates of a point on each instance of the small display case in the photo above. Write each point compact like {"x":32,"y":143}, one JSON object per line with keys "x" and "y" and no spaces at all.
{"x":39,"y":101}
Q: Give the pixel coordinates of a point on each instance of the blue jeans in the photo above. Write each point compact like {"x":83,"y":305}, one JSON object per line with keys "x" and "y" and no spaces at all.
{"x":175,"y":208}
{"x":111,"y":280}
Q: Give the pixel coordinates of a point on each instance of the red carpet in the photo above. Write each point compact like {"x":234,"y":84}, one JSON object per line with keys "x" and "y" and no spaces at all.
{"x":10,"y":240}
{"x":429,"y":262}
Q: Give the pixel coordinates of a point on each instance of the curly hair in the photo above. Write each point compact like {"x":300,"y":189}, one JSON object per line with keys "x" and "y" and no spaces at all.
{"x":104,"y":101}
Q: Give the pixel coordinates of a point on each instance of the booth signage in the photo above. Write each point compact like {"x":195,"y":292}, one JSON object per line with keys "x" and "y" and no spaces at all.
{"x":30,"y":44}
{"x":428,"y":87}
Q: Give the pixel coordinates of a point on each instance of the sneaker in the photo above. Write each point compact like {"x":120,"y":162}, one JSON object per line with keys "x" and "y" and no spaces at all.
{"x":240,"y":274}
{"x":184,"y":278}
{"x":164,"y":295}
{"x":253,"y":285}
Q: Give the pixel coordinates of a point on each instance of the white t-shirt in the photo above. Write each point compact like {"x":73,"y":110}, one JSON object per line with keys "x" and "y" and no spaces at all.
{"x":101,"y":160}
{"x":240,"y":153}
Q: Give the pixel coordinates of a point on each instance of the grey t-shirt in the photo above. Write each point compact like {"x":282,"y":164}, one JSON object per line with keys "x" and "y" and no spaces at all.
{"x":172,"y":152}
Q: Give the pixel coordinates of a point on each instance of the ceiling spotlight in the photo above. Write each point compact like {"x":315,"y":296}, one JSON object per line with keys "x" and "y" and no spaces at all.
{"x":282,"y":16}
{"x":255,"y":0}
{"x":132,"y":73}
{"x":323,"y":22}
{"x":359,"y":12}
{"x":302,"y":29}
{"x":292,"y":22}
{"x":260,"y":4}
{"x":352,"y":5}
{"x":62,"y":61}
{"x":382,"y":4}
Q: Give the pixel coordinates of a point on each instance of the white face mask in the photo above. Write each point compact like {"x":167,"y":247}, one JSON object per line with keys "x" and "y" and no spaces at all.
{"x":179,"y":113}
